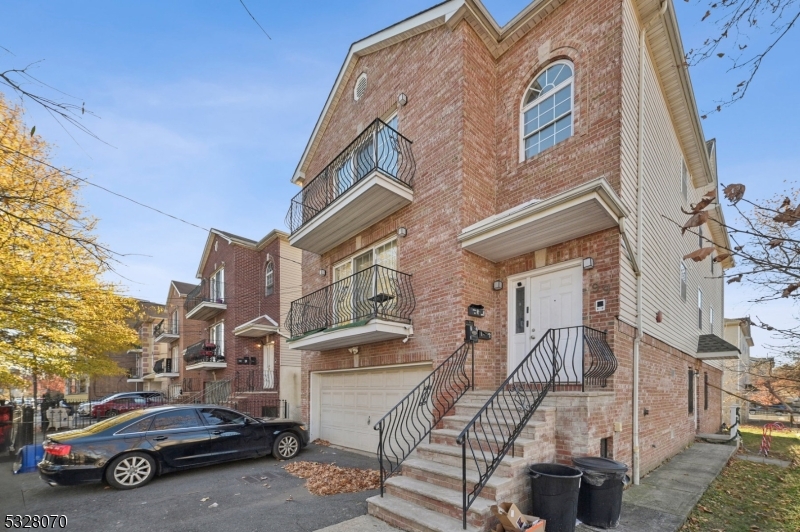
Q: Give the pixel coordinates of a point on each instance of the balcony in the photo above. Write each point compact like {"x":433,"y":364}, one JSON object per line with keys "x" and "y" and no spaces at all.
{"x":204,"y":355}
{"x":365,"y":183}
{"x":205,"y":301}
{"x":135,"y":375}
{"x":165,"y":332}
{"x":164,"y":368}
{"x":371,"y":306}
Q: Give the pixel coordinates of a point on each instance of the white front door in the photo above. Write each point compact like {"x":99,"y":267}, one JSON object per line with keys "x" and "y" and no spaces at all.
{"x":539,"y":302}
{"x":269,"y":366}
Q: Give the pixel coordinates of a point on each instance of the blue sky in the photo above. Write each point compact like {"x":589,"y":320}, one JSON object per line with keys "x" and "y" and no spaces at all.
{"x":208,"y":117}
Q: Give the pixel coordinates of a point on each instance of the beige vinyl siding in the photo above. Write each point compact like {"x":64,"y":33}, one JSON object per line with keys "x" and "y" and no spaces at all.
{"x":663,"y":244}
{"x":290,"y":282}
{"x":628,"y":170}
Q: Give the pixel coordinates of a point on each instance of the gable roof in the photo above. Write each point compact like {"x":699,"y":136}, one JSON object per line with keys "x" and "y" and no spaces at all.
{"x":183,"y":288}
{"x":238,"y":240}
{"x":663,"y":37}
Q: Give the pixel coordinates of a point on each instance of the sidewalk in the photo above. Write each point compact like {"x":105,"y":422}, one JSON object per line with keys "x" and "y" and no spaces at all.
{"x":660,"y":503}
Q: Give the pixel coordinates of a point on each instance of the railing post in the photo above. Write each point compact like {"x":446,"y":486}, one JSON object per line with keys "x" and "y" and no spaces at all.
{"x":472,"y":382}
{"x":380,"y":452}
{"x":464,"y":482}
{"x":583,"y":358}
{"x":375,"y":274}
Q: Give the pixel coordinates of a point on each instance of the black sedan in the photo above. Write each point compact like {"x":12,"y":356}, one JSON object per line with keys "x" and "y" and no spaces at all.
{"x":128,"y":450}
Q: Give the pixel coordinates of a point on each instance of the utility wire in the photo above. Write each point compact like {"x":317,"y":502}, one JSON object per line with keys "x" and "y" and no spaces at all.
{"x":254,"y":19}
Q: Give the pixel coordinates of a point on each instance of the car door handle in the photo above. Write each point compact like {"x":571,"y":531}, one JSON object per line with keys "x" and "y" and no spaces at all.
{"x":217,"y":432}
{"x":160,"y":438}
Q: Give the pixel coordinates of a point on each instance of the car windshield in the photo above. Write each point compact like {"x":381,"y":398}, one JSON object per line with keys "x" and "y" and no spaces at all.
{"x":113,"y":421}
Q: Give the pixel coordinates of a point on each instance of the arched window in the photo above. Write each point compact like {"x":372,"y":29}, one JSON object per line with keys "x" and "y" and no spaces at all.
{"x":270,"y":278}
{"x":547,"y":109}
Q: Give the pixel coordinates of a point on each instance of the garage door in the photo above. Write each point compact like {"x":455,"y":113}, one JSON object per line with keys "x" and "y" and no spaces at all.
{"x":350,"y":403}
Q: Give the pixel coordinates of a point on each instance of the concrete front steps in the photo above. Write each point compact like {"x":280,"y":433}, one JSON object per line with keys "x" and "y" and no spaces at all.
{"x":427,"y":496}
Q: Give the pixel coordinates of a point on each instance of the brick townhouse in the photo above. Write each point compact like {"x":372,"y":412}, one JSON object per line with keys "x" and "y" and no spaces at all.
{"x":175,"y":333}
{"x":143,"y":376}
{"x":525,"y":178}
{"x":240,"y":356}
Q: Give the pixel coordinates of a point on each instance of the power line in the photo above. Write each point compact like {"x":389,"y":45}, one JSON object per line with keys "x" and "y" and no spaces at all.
{"x":254,"y":19}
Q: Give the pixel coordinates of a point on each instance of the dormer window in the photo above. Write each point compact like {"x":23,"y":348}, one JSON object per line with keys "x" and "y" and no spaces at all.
{"x":547,"y":109}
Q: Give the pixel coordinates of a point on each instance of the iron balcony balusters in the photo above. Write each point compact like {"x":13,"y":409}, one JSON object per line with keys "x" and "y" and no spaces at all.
{"x":208,"y":291}
{"x":165,"y":327}
{"x":413,"y":418}
{"x":376,"y":292}
{"x":557,"y":361}
{"x":254,"y":380}
{"x":378,"y":148}
{"x":203,"y":351}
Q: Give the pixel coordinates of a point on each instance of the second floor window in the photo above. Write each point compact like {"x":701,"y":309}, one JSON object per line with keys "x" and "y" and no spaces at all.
{"x":699,"y":309}
{"x":173,"y":322}
{"x":547,"y":109}
{"x":683,"y":281}
{"x":270,"y":278}
{"x":216,"y":335}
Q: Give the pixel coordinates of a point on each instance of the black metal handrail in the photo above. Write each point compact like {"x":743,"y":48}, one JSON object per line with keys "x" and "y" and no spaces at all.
{"x":412,"y":419}
{"x":163,"y":365}
{"x":254,"y":380}
{"x":557,"y":359}
{"x":165,"y":327}
{"x":208,"y":291}
{"x":376,"y":292}
{"x":378,"y":148}
{"x":203,"y":351}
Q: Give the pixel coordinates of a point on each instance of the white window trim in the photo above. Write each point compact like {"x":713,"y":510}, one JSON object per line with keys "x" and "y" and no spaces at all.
{"x":372,"y":248}
{"x":269,"y":279}
{"x":700,"y":308}
{"x":221,"y":271}
{"x":683,"y":281}
{"x":523,"y":107}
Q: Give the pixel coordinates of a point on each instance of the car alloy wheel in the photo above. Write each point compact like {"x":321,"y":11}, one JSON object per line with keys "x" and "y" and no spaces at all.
{"x":131,"y":471}
{"x":287,"y":446}
{"x":111,"y":413}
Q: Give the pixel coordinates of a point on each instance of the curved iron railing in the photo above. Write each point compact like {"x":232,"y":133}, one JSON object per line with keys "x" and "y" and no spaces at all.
{"x":378,"y":148}
{"x":203,"y":351}
{"x":376,"y":292}
{"x":208,"y":291}
{"x":558,"y":359}
{"x":413,"y":418}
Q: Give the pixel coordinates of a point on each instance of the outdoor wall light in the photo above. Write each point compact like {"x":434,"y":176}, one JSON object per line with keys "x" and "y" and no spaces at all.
{"x":402,"y":231}
{"x":497,"y":285}
{"x":402,"y":99}
{"x":322,"y":272}
{"x":588,"y":263}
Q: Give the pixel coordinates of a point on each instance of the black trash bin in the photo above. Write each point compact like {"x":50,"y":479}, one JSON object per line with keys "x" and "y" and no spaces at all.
{"x":600,"y":500}
{"x":555,"y":490}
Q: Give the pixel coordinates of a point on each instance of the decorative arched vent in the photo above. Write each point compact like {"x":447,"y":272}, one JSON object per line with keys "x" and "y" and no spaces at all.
{"x":361,"y":87}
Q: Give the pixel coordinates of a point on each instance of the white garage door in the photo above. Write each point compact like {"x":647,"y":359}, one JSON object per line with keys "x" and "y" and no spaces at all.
{"x":348,"y":404}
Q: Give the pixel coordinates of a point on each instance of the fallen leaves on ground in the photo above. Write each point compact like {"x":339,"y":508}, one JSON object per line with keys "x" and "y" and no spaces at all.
{"x":320,"y":441}
{"x":330,"y":479}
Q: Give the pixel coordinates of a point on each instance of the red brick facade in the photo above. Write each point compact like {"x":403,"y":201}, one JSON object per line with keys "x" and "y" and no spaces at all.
{"x":464,"y":120}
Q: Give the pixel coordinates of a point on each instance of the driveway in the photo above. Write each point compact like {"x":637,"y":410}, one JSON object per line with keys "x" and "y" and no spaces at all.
{"x":173,"y":502}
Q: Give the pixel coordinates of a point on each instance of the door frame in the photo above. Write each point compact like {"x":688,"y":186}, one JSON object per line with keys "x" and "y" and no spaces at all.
{"x":511,"y":279}
{"x":315,"y":386}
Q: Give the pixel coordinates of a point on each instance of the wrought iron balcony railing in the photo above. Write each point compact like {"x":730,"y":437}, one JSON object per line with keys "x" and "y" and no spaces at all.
{"x":208,"y":291}
{"x":165,"y":365}
{"x":378,"y":148}
{"x":377,"y":292}
{"x":203,"y":351}
{"x":165,"y":327}
{"x":254,"y":380}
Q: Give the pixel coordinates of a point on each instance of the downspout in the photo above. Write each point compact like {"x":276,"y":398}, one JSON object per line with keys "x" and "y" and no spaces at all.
{"x":639,"y":240}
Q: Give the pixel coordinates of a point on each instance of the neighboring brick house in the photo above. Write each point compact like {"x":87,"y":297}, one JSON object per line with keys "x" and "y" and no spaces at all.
{"x":176,"y":333}
{"x":149,"y":351}
{"x":548,"y":158}
{"x":736,"y":376}
{"x":244,"y":294}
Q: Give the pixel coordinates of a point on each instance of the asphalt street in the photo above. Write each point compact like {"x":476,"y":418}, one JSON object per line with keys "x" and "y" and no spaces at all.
{"x":250,"y":495}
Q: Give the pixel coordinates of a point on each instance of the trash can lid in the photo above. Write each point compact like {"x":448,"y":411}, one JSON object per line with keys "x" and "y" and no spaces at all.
{"x":599,"y":464}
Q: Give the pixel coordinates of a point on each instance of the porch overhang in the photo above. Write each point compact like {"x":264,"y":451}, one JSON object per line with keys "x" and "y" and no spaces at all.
{"x":206,"y":365}
{"x":167,"y":375}
{"x":261,"y":326}
{"x":372,"y":199}
{"x":712,"y":347}
{"x":375,"y":330}
{"x":206,"y":310}
{"x":537,"y":224}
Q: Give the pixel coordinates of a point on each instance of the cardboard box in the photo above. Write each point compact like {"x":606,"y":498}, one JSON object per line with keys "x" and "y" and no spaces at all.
{"x":513,"y":520}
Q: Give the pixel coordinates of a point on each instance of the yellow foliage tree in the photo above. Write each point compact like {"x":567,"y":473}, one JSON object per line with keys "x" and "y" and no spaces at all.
{"x":57,"y":314}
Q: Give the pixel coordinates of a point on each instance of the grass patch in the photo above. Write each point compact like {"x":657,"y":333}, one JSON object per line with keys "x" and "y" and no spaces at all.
{"x":753,"y":497}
